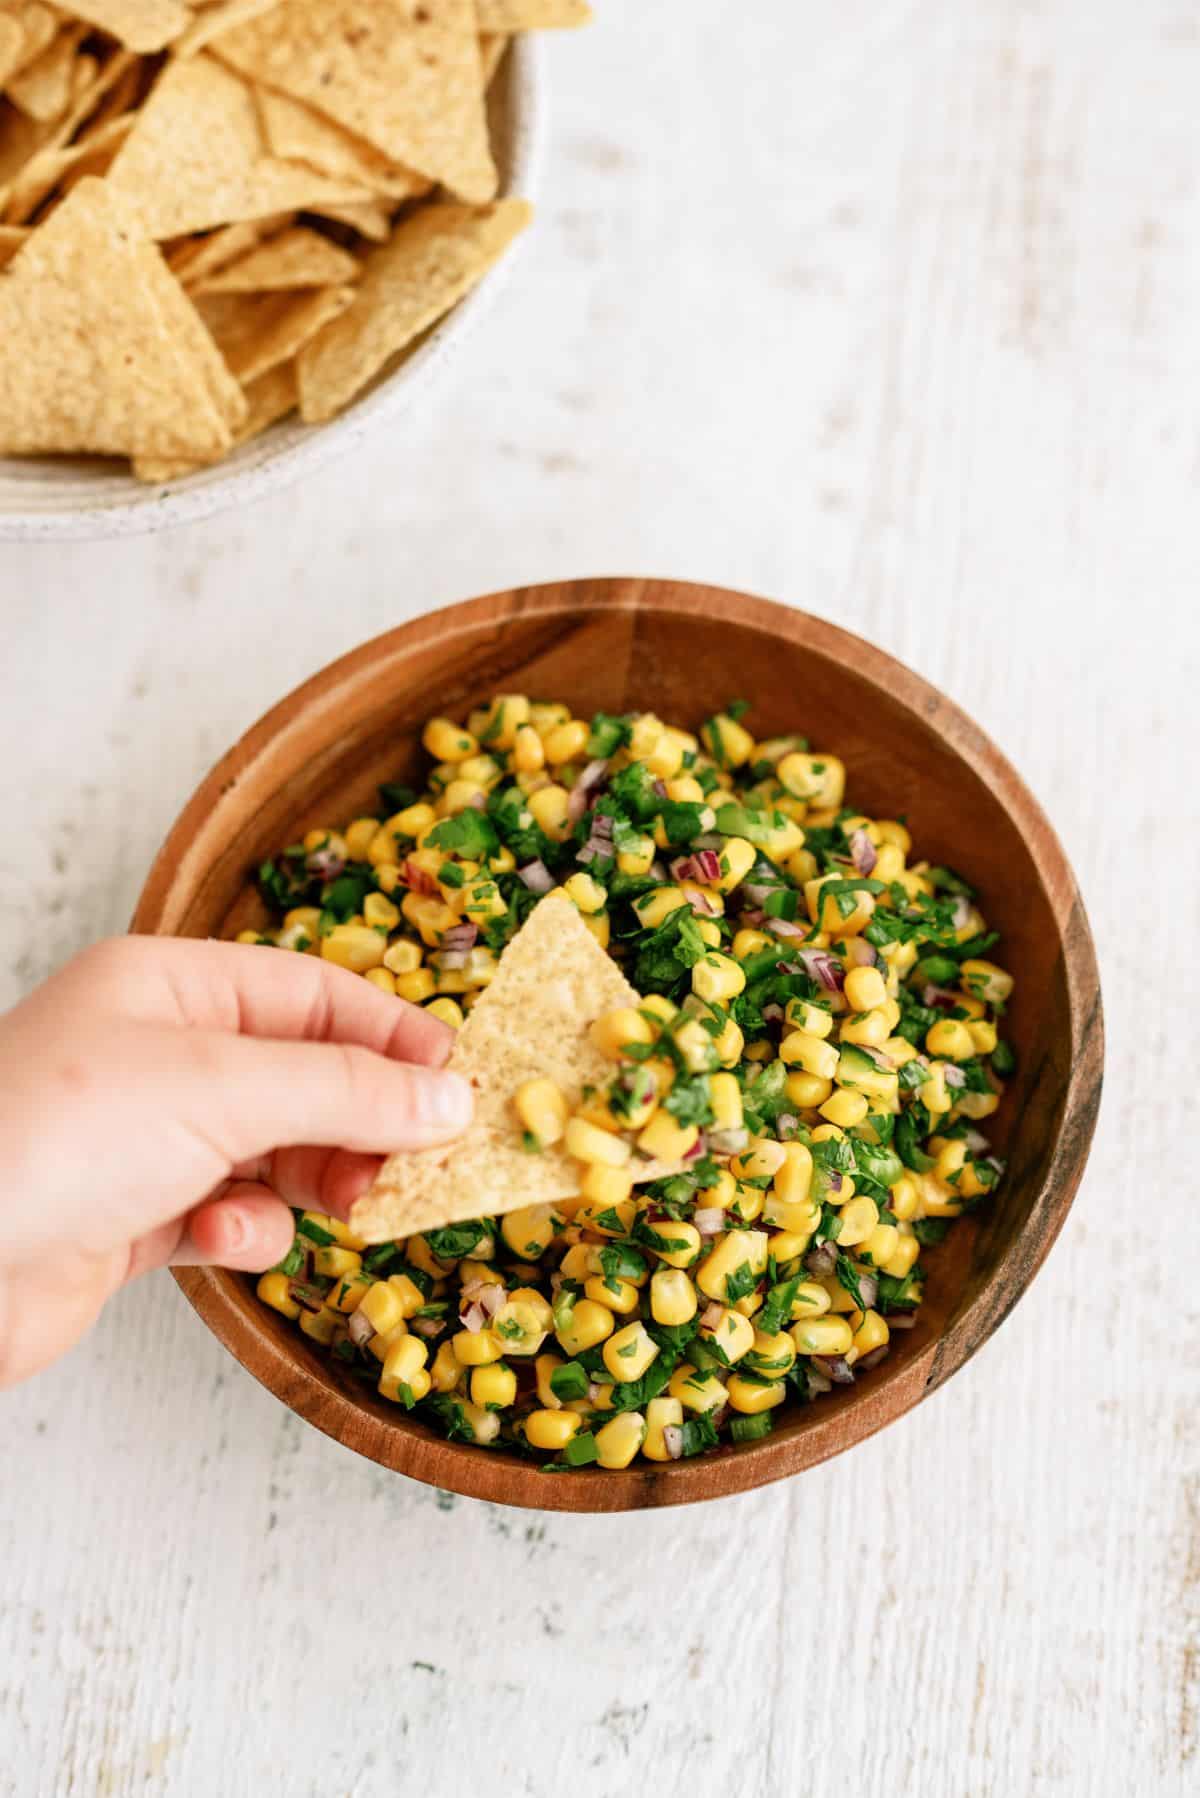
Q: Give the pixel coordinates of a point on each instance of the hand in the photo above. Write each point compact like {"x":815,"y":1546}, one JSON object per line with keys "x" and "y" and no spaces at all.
{"x":152,"y":1097}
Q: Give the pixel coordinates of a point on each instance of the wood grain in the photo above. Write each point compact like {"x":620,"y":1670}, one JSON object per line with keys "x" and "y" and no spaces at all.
{"x":668,"y":646}
{"x":909,"y":347}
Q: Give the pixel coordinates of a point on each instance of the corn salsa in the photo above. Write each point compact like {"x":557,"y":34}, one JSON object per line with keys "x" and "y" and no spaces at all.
{"x":817,"y":1044}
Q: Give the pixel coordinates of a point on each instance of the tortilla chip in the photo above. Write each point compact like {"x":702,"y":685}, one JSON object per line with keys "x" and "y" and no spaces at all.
{"x":215,"y":20}
{"x":191,"y":258}
{"x":45,"y":87}
{"x":11,"y":239}
{"x":532,"y":1022}
{"x":39,"y":28}
{"x":296,"y":131}
{"x":54,"y":168}
{"x":144,"y":25}
{"x":373,"y":221}
{"x":491,"y":53}
{"x":531,"y":15}
{"x":432,"y":259}
{"x":254,"y":332}
{"x":297,"y":258}
{"x":12,"y":46}
{"x":196,"y":158}
{"x":405,"y":77}
{"x":89,"y":358}
{"x":268,"y":399}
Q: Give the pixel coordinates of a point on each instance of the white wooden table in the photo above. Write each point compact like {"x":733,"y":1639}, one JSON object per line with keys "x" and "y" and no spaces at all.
{"x":888,"y":310}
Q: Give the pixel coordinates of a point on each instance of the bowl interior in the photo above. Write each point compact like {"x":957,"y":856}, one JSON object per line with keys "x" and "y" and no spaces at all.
{"x":682,"y":652}
{"x":60,"y":496}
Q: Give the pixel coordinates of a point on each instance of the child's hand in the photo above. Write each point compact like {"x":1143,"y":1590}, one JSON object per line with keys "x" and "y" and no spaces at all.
{"x":152,"y":1097}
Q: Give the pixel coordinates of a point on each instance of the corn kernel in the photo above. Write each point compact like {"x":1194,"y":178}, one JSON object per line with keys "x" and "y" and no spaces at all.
{"x":550,"y":1430}
{"x":672,"y":1297}
{"x":588,"y":1143}
{"x":529,"y":1231}
{"x":587,"y":1325}
{"x":273,"y":1290}
{"x":619,"y":1441}
{"x":663,"y":1139}
{"x":809,"y":1053}
{"x":696,"y":1391}
{"x":543,"y":1110}
{"x":549,"y":808}
{"x":617,"y":1029}
{"x":865,"y":989}
{"x":858,"y":1219}
{"x":661,"y":1414}
{"x":846,"y":1109}
{"x":682,"y":1243}
{"x":475,"y":1348}
{"x":494,"y":1384}
{"x":950,"y":1040}
{"x":718,"y":978}
{"x":656,"y":905}
{"x":620,"y":1296}
{"x":822,"y":1336}
{"x":587,"y":894}
{"x":739,"y":1248}
{"x":752,"y":1396}
{"x":403,"y":1361}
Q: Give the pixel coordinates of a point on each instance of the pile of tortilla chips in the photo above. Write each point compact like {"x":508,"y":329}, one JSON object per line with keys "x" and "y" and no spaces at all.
{"x":214,"y":212}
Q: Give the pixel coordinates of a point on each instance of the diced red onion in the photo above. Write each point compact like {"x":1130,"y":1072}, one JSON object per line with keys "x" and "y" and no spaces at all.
{"x":461,"y":936}
{"x":425,"y":1326}
{"x":817,"y":1383}
{"x":901,"y":1320}
{"x":309,"y":1298}
{"x":709,"y":1220}
{"x":477,"y":802}
{"x":873,"y":1357}
{"x":820,"y":966}
{"x":862,"y":852}
{"x":786,"y":1125}
{"x":994,"y":1161}
{"x":773,"y":1014}
{"x":361,"y":1329}
{"x":835,"y":1180}
{"x":659,"y":788}
{"x":822,"y":1260}
{"x":940,"y":996}
{"x":601,"y":825}
{"x":595,"y":1392}
{"x":701,"y":904}
{"x":326,"y":863}
{"x":752,"y":918}
{"x":419,"y":880}
{"x":577,"y":800}
{"x":711,"y":1316}
{"x":756,"y":891}
{"x":785,"y":928}
{"x":860,"y":953}
{"x":697,"y":1149}
{"x":883,"y":1062}
{"x":961,"y":914}
{"x":493,"y":1297}
{"x":835,"y":1368}
{"x":975,"y":1140}
{"x":472,"y":1319}
{"x":868,"y":1286}
{"x":673,"y":1439}
{"x":536,"y":876}
{"x":728,"y":1142}
{"x":451,"y":960}
{"x":657,"y":870}
{"x":954,"y":1077}
{"x":703,"y":865}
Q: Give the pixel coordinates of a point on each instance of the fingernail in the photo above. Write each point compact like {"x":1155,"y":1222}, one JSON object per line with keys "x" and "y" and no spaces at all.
{"x":445,"y":1100}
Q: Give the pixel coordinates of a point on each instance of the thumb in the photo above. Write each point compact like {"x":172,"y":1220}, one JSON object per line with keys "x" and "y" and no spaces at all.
{"x":248,"y":1096}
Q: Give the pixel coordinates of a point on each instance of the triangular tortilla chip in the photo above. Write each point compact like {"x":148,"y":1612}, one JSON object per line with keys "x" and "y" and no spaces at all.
{"x":295,"y":131}
{"x":432,"y":259}
{"x":215,"y":20}
{"x":48,"y":168}
{"x":269,"y":398}
{"x":553,"y":981}
{"x":144,"y":25}
{"x":193,"y":258}
{"x":91,"y":356}
{"x":297,"y":258}
{"x":12,"y":46}
{"x":372,"y":220}
{"x":45,"y":87}
{"x":531,"y":15}
{"x":255,"y":332}
{"x":196,"y":157}
{"x":38,"y":25}
{"x":407,"y":78}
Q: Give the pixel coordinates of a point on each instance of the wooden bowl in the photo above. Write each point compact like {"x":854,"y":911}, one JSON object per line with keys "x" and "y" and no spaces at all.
{"x":683,"y":650}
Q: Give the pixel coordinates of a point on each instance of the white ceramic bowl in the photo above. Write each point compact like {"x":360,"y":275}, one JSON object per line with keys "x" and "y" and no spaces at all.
{"x":52,"y":497}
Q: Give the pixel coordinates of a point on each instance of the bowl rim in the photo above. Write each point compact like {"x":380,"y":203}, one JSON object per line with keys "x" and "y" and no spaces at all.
{"x":145,"y":507}
{"x":410,"y":1448}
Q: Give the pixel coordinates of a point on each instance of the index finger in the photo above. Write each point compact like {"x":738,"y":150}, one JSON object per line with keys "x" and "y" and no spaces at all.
{"x":247,"y":989}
